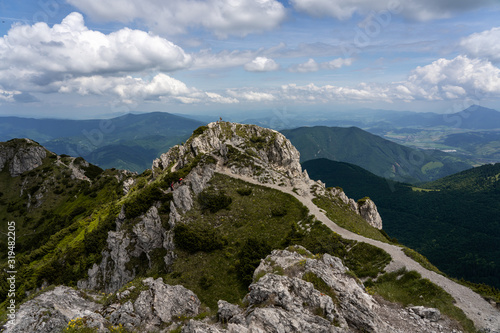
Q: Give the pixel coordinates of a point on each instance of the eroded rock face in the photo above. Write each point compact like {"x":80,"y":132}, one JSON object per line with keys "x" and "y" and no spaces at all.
{"x":147,"y":234}
{"x":245,"y":149}
{"x":348,"y":305}
{"x":51,"y":312}
{"x":113,"y":272}
{"x":157,"y":304}
{"x":24,"y":155}
{"x":368,"y":210}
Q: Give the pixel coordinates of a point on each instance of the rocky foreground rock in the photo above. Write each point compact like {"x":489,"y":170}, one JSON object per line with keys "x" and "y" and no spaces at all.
{"x":294,"y":291}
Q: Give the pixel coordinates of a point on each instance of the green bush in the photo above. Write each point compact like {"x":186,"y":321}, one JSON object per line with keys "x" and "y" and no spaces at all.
{"x":278,"y":211}
{"x":199,"y":130}
{"x":244,"y":191}
{"x":213,"y":200}
{"x":252,"y":251}
{"x":197,"y":237}
{"x":141,"y":203}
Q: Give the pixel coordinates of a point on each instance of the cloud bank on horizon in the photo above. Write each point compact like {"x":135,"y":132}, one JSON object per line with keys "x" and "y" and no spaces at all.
{"x":199,"y":55}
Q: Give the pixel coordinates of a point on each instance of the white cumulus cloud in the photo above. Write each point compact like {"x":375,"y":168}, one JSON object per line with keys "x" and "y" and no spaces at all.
{"x":223,"y":17}
{"x":336,"y":63}
{"x":131,"y":90}
{"x":38,"y":55}
{"x":484,"y":44}
{"x":261,"y":64}
{"x":309,"y":66}
{"x":312,"y":66}
{"x":443,"y":79}
{"x":251,"y":96}
{"x":8,"y":96}
{"x":458,"y":77}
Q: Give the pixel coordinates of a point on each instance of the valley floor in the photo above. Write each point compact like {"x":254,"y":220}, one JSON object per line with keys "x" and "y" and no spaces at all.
{"x":481,"y":312}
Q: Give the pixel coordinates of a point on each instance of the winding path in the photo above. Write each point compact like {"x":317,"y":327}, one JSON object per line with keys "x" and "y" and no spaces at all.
{"x":481,"y":312}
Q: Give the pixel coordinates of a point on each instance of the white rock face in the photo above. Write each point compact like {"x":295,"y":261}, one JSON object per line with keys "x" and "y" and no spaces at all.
{"x":23,"y":156}
{"x":368,"y":210}
{"x":51,"y":312}
{"x":269,"y":155}
{"x":112,"y":273}
{"x":158,"y":304}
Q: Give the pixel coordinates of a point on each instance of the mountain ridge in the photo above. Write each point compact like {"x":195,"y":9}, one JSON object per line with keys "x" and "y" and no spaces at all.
{"x":376,"y":154}
{"x":157,"y":224}
{"x":96,"y":140}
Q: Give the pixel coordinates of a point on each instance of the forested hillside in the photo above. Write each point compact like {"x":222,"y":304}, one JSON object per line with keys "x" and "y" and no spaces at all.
{"x":378,"y":155}
{"x":453,"y":221}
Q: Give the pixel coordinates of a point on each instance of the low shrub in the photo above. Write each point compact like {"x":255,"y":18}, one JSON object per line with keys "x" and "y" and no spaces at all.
{"x":278,"y":211}
{"x":252,"y":251}
{"x":197,"y":237}
{"x":213,"y":200}
{"x":244,"y":191}
{"x":199,"y":130}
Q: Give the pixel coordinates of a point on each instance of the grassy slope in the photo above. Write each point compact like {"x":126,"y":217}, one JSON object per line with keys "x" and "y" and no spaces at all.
{"x":53,"y":229}
{"x":378,"y":155}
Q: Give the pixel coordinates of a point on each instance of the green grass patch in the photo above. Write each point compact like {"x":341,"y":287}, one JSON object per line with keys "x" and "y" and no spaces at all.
{"x":320,"y":285}
{"x":408,"y":287}
{"x":341,"y":214}
{"x":367,"y":260}
{"x":422,"y":260}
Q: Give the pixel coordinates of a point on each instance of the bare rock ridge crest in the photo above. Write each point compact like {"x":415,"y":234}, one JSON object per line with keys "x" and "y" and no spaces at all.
{"x":286,"y":302}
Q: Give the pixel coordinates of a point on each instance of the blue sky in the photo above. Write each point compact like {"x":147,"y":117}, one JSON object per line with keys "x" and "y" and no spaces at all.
{"x":95,"y":58}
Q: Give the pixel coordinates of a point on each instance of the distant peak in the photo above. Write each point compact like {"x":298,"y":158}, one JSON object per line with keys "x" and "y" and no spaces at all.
{"x":479,"y":108}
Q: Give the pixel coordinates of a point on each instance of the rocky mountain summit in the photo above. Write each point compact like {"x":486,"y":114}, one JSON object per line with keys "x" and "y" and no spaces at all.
{"x":211,"y":240}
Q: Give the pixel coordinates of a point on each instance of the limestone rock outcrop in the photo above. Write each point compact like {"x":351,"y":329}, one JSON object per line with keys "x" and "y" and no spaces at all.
{"x":365,"y":207}
{"x":368,"y":210}
{"x":21,"y":155}
{"x":289,"y":302}
{"x":294,"y":291}
{"x":249,"y":150}
{"x":156,"y":304}
{"x":148,"y":233}
{"x":52,"y":310}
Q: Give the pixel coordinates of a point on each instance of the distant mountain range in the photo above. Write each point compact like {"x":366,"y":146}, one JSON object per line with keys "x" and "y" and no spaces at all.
{"x":378,"y":155}
{"x":130,"y":141}
{"x":473,"y":117}
{"x":127,"y":142}
{"x":445,"y":220}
